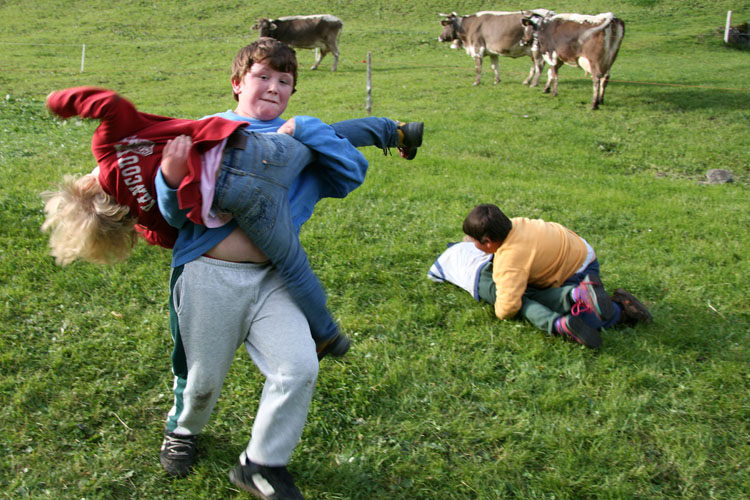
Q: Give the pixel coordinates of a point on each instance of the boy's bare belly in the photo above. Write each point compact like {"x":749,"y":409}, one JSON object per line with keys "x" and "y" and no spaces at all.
{"x":237,"y":247}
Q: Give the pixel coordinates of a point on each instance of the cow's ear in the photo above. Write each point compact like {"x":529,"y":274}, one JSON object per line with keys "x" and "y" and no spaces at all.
{"x":273,"y":26}
{"x":526,"y":21}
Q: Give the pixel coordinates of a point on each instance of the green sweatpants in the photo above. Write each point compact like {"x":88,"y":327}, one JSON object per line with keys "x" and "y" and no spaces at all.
{"x":541,"y":307}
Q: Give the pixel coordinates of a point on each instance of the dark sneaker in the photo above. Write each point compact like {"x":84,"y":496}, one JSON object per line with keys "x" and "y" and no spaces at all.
{"x":338,"y":346}
{"x":177,"y":454}
{"x":576,"y":330}
{"x":633,"y":310}
{"x":411,"y":140}
{"x":591,"y":292}
{"x":268,"y":483}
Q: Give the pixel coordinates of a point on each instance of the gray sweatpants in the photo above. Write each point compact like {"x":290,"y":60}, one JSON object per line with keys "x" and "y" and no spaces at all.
{"x":218,"y":306}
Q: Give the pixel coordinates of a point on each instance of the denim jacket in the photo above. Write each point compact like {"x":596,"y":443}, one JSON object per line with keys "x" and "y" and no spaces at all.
{"x":336,"y":172}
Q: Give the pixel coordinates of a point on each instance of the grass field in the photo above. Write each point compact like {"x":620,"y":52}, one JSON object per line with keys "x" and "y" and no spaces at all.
{"x":437,"y":398}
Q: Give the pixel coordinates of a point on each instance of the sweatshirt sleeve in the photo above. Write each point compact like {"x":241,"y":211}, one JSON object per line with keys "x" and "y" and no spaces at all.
{"x":114,"y":111}
{"x":510,"y":284}
{"x":165,"y":239}
{"x":340,"y":164}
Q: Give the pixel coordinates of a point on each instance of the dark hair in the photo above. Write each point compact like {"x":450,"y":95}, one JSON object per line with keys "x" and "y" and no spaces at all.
{"x":276,"y":54}
{"x":487,"y":221}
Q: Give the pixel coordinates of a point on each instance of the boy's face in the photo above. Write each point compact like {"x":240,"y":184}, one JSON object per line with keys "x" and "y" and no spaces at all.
{"x":263,"y":93}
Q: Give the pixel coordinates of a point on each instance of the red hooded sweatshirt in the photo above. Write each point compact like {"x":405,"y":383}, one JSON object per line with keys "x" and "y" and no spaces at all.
{"x":128,"y":145}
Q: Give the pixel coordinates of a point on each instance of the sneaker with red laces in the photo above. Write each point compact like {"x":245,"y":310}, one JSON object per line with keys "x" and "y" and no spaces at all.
{"x":575,"y":329}
{"x":633,"y":310}
{"x":591,"y":293}
{"x":410,"y":139}
{"x":337,"y":346}
{"x":268,"y":483}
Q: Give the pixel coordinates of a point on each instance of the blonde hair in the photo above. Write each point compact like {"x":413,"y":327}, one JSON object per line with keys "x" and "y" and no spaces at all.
{"x":86,"y":223}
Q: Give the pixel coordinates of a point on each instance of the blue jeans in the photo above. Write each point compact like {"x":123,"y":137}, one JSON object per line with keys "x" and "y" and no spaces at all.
{"x":369,"y":131}
{"x":252,"y":185}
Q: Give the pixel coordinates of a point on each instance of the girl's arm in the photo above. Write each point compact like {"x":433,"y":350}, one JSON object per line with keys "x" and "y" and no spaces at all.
{"x":174,"y":160}
{"x":173,"y":169}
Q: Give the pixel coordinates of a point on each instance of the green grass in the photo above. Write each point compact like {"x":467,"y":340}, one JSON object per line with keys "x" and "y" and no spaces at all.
{"x":437,"y":399}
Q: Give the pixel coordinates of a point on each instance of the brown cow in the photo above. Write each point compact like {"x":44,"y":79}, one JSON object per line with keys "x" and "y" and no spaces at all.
{"x":591,"y":42}
{"x":306,"y":32}
{"x":495,"y":34}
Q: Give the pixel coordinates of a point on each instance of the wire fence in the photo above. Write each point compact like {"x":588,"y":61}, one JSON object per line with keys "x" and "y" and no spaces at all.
{"x":233,"y":42}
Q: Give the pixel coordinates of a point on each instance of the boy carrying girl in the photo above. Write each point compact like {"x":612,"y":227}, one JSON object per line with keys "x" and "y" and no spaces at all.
{"x":224,"y":291}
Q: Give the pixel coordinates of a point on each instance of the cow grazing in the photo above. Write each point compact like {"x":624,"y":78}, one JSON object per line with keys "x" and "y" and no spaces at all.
{"x":306,"y":32}
{"x":591,"y":42}
{"x":494,"y":34}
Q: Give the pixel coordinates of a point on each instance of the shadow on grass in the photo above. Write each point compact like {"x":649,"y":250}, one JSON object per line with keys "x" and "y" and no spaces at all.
{"x":681,"y":333}
{"x":687,"y":98}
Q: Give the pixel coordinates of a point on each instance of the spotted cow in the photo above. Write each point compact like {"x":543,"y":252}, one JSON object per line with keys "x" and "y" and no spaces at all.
{"x":590,"y":42}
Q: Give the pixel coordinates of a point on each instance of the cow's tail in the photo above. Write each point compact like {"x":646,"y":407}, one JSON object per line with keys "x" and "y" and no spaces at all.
{"x":612,"y":40}
{"x":608,"y":17}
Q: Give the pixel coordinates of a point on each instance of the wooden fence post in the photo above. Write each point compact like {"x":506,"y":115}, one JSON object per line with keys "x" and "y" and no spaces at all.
{"x":726,"y":29}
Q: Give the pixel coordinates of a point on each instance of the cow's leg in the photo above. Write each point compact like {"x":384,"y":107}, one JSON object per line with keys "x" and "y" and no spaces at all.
{"x":551,"y":77}
{"x":493,"y":60}
{"x":603,"y":85}
{"x":597,"y":82}
{"x":478,"y":68}
{"x":335,"y":53}
{"x":319,"y":55}
{"x":537,"y":65}
{"x":554,"y":83}
{"x":532,"y":73}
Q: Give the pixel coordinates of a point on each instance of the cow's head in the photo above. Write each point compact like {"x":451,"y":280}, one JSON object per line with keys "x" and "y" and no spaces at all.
{"x":451,"y":25}
{"x":530,"y":22}
{"x":265,"y":26}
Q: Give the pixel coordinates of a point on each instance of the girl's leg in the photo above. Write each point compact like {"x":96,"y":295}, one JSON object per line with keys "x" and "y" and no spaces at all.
{"x":369,"y":131}
{"x":253,"y":186}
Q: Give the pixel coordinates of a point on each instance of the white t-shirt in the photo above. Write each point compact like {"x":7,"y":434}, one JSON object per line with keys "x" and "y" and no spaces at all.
{"x":460,"y":264}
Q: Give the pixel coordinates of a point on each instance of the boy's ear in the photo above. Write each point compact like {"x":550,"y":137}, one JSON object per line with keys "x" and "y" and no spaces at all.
{"x":235,"y":85}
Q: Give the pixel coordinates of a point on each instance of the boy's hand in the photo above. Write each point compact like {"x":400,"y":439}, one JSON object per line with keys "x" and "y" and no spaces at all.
{"x":287,"y":128}
{"x":174,"y":160}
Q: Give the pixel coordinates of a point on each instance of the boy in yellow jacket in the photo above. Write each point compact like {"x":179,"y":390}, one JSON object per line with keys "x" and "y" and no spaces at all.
{"x":548,"y":274}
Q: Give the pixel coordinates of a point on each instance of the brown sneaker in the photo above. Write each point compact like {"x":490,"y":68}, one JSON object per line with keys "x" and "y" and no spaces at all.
{"x":337,"y":346}
{"x":633,"y":310}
